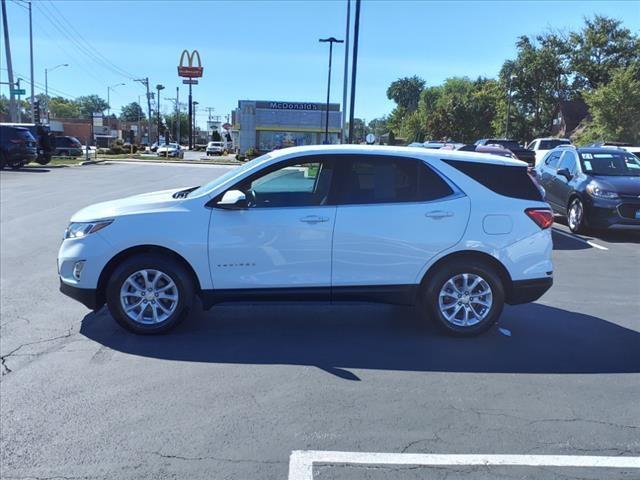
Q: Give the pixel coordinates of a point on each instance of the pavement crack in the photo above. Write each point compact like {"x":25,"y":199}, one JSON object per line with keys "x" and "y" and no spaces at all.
{"x":3,"y":359}
{"x":217,"y":459}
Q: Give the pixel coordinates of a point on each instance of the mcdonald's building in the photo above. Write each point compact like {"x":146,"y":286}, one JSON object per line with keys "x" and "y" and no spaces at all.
{"x":273,"y":124}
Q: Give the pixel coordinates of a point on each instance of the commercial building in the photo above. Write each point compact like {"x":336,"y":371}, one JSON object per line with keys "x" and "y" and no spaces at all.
{"x":267,"y":125}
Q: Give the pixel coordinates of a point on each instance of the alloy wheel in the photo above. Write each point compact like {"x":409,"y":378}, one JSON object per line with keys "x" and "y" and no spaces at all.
{"x":465,"y":299}
{"x":149,"y":296}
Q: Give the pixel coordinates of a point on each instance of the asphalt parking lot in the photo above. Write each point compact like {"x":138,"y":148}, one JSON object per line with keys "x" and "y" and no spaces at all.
{"x":233,"y":392}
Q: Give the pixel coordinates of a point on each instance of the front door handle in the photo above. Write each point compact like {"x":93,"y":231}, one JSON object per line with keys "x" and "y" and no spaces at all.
{"x":438,"y":214}
{"x":313,"y":219}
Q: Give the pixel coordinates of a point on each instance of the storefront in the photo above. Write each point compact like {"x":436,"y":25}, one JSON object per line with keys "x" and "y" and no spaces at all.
{"x":269,"y":125}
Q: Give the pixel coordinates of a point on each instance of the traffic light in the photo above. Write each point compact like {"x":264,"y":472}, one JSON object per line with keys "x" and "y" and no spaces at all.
{"x":36,"y":112}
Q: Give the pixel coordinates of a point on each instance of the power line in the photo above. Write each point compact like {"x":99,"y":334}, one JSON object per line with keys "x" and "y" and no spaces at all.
{"x":89,"y":46}
{"x":54,"y":20}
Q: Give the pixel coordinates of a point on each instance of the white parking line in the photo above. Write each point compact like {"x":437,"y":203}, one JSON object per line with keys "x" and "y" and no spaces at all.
{"x":301,"y":461}
{"x":580,"y":239}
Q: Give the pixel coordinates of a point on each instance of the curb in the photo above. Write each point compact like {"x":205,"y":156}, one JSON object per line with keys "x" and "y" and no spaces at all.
{"x":185,"y":162}
{"x":91,"y":162}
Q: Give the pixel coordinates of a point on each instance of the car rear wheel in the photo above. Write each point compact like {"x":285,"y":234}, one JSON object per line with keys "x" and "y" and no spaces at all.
{"x":464,"y":297}
{"x":575,"y":216}
{"x":150,"y":293}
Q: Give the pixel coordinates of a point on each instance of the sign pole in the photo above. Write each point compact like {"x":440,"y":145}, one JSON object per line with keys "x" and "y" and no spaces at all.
{"x":190,"y":118}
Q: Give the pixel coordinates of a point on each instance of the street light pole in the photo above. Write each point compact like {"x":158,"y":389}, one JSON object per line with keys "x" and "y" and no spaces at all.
{"x":343,"y":130}
{"x":12,"y":100}
{"x":33,"y":95}
{"x":112,"y":87}
{"x":194,"y":121}
{"x":506,"y":127}
{"x":331,"y":41}
{"x":354,"y":68}
{"x":159,"y":88}
{"x":46,"y":84}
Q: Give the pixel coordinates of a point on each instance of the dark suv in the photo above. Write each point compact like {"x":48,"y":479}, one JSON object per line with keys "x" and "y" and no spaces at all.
{"x":518,"y":150}
{"x":593,"y":187}
{"x":17,"y":147}
{"x":68,"y":147}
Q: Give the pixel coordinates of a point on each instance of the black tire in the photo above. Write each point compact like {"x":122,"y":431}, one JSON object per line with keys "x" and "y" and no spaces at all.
{"x":436,"y":282}
{"x":182,"y":279}
{"x":576,"y":224}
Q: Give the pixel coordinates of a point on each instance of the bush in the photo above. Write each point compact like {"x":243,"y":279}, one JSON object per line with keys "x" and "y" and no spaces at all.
{"x":117,"y":150}
{"x":251,"y":152}
{"x":240,"y":158}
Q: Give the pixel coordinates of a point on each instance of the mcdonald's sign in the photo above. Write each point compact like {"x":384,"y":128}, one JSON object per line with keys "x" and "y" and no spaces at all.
{"x":190,"y":70}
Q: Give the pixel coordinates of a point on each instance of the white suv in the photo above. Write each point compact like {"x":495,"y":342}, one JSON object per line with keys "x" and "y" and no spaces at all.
{"x":459,"y":233}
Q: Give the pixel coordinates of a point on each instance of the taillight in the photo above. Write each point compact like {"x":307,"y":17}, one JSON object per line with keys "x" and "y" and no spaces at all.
{"x":542,"y":216}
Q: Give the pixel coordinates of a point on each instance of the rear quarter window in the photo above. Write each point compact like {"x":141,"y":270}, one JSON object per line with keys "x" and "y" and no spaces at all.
{"x":510,"y":181}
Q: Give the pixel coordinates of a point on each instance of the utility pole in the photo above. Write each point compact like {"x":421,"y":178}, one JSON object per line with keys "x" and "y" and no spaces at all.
{"x":194,"y":122}
{"x":178,"y":115}
{"x":343,"y":130}
{"x":33,"y":95}
{"x":331,"y":41}
{"x":12,"y":100}
{"x":159,"y":87}
{"x":506,"y":126}
{"x":145,"y":82}
{"x":354,"y":68}
{"x":139,"y":126}
{"x":46,"y":83}
{"x":19,"y":101}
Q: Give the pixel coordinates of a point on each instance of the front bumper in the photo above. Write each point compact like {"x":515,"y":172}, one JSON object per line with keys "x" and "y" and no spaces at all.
{"x":613,"y":213}
{"x":525,"y":291}
{"x":87,"y":296}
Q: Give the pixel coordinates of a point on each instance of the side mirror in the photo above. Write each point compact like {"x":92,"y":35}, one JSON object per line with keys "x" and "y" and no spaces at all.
{"x":233,"y":200}
{"x":565,"y":173}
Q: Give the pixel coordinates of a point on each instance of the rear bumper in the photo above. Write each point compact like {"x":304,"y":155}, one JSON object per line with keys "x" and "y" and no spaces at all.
{"x":86,"y":296}
{"x":525,"y":291}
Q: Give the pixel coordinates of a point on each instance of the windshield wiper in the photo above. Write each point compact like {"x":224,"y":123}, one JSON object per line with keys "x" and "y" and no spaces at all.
{"x":185,"y":193}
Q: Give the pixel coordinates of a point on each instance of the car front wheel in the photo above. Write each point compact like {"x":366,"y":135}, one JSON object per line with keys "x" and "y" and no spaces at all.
{"x":575,"y":216}
{"x":150,"y":293}
{"x":465,"y":297}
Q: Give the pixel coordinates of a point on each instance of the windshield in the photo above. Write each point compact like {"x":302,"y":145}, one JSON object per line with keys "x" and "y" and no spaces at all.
{"x":229,"y":175}
{"x":551,"y":144}
{"x":610,"y":164}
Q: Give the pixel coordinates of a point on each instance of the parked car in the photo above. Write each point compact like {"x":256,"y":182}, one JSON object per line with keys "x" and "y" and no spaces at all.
{"x":593,"y":187}
{"x":445,"y":232}
{"x":43,"y":137}
{"x":540,"y":146}
{"x":215,"y":148}
{"x":170,"y":150}
{"x":67,"y":146}
{"x":488,"y":149}
{"x":155,"y":145}
{"x":518,"y":150}
{"x":17,"y":147}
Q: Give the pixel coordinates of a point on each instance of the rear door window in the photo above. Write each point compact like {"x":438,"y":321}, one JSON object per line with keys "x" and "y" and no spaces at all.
{"x":373,"y":179}
{"x":552,"y":160}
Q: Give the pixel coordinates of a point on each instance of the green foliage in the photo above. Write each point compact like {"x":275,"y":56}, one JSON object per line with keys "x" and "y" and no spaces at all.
{"x":91,"y":103}
{"x":601,"y":47}
{"x":215,"y":136}
{"x":132,"y":112}
{"x":251,"y":153}
{"x":406,"y":92}
{"x":60,"y":107}
{"x":615,"y":109}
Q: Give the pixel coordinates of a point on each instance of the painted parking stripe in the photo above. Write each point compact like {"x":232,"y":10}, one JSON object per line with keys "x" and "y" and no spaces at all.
{"x":301,"y":461}
{"x":580,"y":239}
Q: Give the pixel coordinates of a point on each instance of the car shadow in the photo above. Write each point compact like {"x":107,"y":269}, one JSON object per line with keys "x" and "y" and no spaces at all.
{"x":531,"y":338}
{"x":563,"y":242}
{"x":619,"y":235}
{"x":26,"y":170}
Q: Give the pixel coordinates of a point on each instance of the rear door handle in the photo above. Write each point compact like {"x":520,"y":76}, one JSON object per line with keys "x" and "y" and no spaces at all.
{"x":313,"y":219}
{"x":438,"y":214}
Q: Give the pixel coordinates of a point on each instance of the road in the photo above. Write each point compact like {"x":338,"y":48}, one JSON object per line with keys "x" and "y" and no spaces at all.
{"x":235,"y":390}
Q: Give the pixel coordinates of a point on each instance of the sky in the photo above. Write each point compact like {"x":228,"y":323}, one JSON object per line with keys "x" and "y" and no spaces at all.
{"x":268,"y":50}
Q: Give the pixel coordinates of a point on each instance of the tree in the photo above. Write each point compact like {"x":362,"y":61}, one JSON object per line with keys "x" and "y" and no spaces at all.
{"x":359,"y":130}
{"x":60,"y":107}
{"x":601,"y":47}
{"x":378,"y":126}
{"x":406,"y":92}
{"x":131,"y":112}
{"x":91,"y":103}
{"x":615,"y":108}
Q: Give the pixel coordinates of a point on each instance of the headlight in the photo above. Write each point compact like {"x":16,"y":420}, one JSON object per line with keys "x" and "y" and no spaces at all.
{"x":81,"y":229}
{"x":595,"y":191}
